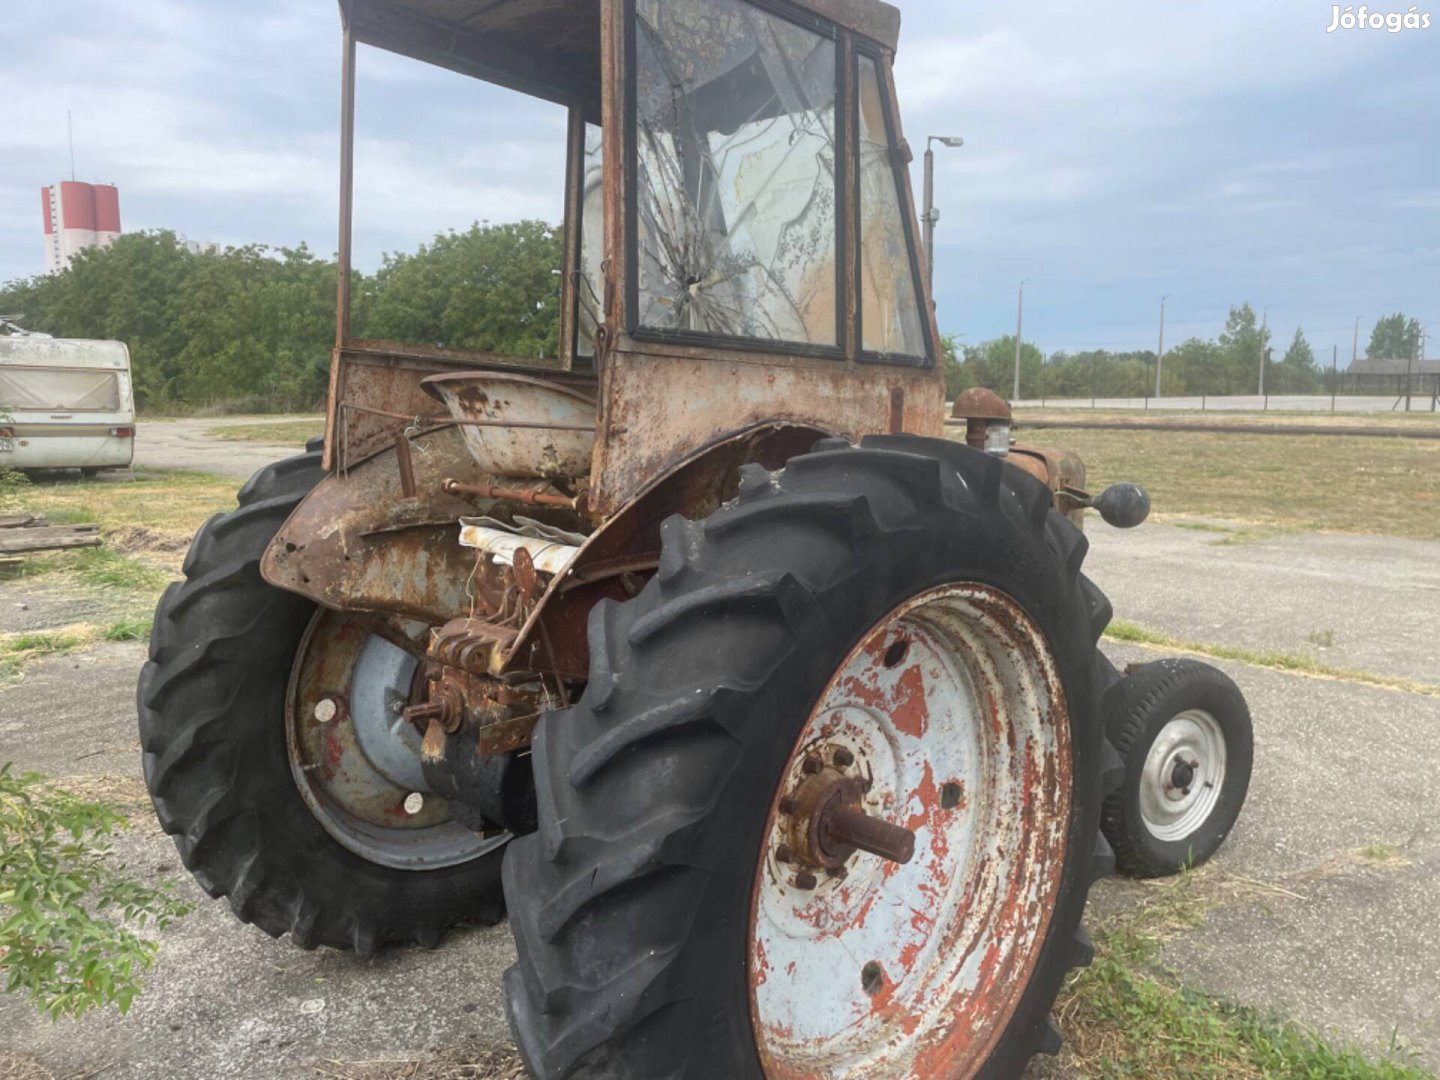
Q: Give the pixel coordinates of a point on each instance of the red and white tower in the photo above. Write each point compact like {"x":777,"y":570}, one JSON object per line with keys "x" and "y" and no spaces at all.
{"x":78,"y":216}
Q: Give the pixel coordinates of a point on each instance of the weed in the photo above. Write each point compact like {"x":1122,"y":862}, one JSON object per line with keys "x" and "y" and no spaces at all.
{"x":1295,"y":663}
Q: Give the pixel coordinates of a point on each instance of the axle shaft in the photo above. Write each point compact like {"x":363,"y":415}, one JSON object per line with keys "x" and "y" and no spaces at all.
{"x":846,"y":826}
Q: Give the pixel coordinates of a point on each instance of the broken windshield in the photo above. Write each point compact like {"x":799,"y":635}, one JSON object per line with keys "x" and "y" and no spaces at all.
{"x":890,"y":319}
{"x":735,"y":173}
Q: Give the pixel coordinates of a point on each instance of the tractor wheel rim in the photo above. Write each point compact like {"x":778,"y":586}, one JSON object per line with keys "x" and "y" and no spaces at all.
{"x":355,"y":759}
{"x":1183,"y":775}
{"x":951,"y":708}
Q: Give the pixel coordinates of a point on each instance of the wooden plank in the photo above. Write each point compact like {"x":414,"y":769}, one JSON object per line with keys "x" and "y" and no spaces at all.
{"x":21,"y":521}
{"x":49,"y":530}
{"x":22,"y":541}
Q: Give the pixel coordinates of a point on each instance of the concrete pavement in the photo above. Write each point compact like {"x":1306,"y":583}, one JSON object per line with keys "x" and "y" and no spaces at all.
{"x":1365,"y":603}
{"x":185,"y":444}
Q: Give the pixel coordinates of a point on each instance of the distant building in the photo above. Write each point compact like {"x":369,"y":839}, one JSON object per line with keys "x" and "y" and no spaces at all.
{"x":78,"y":216}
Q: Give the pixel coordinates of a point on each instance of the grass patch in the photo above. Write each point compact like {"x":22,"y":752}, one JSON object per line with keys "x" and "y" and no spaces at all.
{"x":1385,"y":856}
{"x":163,"y":501}
{"x":17,"y":650}
{"x":1295,"y":663}
{"x":1125,"y":1018}
{"x":130,"y":629}
{"x":1303,"y":482}
{"x":276,"y":432}
{"x":103,"y":568}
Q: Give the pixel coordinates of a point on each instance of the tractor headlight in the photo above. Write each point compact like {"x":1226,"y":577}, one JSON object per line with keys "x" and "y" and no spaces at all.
{"x":997,"y":439}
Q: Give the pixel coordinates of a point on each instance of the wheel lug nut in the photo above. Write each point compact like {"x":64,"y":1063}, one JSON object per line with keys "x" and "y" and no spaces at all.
{"x":325,"y":710}
{"x":812,"y":765}
{"x":805,"y":880}
{"x":414,"y":803}
{"x":844,"y":758}
{"x":783,"y":853}
{"x":787,"y":804}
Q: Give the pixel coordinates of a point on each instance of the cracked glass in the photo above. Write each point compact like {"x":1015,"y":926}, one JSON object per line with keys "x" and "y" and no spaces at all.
{"x":590,"y":288}
{"x":735,"y":173}
{"x":890,"y":320}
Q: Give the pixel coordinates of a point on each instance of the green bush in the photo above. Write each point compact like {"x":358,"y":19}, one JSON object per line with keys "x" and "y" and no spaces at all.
{"x":70,"y":922}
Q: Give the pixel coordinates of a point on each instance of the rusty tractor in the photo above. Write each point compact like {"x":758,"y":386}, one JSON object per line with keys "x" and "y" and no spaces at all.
{"x":773,"y":718}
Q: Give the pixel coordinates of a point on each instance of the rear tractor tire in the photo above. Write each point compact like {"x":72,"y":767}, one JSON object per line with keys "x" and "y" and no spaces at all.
{"x":830,"y":803}
{"x":273,"y":757}
{"x":1184,"y":731}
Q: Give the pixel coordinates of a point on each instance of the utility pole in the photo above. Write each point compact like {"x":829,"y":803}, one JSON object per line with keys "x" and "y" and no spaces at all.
{"x":1160,"y":354}
{"x":1410,"y":369}
{"x":1334,"y":373}
{"x":1355,"y":348}
{"x":932,"y":212}
{"x":1264,"y":327}
{"x":1019,"y":328}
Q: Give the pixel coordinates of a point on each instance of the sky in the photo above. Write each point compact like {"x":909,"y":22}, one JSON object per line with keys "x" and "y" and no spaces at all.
{"x":1114,"y":153}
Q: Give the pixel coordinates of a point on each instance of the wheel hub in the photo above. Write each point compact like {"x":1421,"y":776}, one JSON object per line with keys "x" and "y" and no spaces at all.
{"x":1183,"y":773}
{"x":355,"y":756}
{"x":823,"y":822}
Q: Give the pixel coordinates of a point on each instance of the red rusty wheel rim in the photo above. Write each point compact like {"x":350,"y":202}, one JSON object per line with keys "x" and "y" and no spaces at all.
{"x":951,"y":711}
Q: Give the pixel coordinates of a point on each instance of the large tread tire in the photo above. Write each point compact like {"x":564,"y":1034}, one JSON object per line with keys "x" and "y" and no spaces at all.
{"x":1151,"y":695}
{"x":630,"y":905}
{"x":212,"y":733}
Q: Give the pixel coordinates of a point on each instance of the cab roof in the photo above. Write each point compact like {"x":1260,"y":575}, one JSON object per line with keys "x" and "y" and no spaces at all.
{"x":548,"y":48}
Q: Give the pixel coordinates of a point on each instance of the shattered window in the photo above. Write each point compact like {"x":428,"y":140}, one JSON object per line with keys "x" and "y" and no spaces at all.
{"x":890,"y":318}
{"x":591,"y":286}
{"x":735,"y":173}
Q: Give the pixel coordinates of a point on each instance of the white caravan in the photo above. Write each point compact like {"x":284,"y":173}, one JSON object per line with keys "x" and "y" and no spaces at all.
{"x":64,"y":403}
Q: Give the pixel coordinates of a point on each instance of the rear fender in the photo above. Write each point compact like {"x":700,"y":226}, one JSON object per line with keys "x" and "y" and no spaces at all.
{"x":358,"y":542}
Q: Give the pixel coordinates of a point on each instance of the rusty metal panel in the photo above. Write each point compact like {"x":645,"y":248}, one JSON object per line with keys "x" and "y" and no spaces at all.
{"x":357,"y":543}
{"x":659,"y":406}
{"x":546,"y":48}
{"x":376,"y":392}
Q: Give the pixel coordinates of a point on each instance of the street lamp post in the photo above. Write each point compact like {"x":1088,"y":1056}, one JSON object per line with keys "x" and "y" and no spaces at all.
{"x":1264,"y":328}
{"x":1160,"y":354}
{"x":932,"y":213}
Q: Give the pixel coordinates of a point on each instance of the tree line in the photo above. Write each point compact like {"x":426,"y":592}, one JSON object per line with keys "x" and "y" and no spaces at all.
{"x":252,"y":327}
{"x":1196,"y":367}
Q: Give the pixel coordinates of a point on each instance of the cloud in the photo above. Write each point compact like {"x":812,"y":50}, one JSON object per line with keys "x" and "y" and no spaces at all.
{"x":1114,"y":152}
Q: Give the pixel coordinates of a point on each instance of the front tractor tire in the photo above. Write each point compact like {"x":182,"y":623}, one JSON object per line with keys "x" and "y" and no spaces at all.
{"x":1184,"y":731}
{"x":323,"y":851}
{"x":873,"y":650}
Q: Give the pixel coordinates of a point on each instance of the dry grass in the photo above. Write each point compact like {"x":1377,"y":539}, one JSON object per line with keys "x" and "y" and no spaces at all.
{"x":1293,"y":663}
{"x":1315,"y":483}
{"x":481,"y":1062}
{"x":274,"y":432}
{"x":169,"y":505}
{"x":1245,"y":419}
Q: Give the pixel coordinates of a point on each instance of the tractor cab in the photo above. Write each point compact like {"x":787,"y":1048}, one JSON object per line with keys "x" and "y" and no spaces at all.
{"x":740,"y":266}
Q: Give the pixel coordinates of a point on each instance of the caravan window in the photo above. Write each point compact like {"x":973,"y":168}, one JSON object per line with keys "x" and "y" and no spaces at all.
{"x":58,"y":390}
